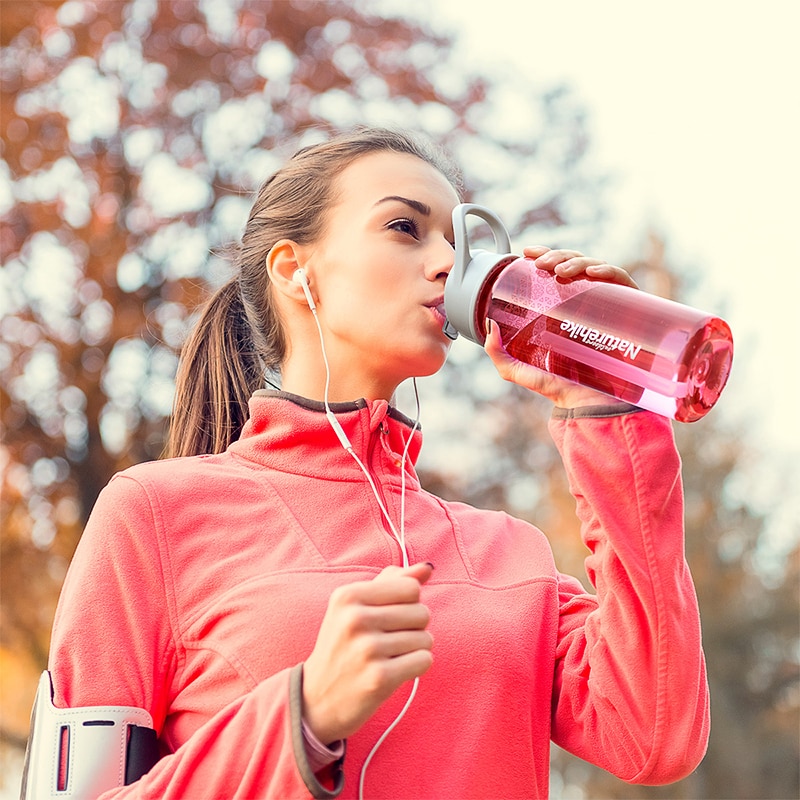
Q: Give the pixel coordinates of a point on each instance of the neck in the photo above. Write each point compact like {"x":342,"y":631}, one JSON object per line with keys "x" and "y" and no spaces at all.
{"x":303,"y":373}
{"x":312,"y":361}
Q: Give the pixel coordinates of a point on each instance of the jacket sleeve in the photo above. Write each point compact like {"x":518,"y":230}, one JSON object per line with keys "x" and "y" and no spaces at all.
{"x":113,"y":643}
{"x":630,"y":691}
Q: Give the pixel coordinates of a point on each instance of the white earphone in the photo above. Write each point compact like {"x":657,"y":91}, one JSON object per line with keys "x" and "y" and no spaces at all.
{"x":299,"y":276}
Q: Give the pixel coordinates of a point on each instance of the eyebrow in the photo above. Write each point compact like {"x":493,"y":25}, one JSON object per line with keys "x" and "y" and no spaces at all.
{"x":421,"y":208}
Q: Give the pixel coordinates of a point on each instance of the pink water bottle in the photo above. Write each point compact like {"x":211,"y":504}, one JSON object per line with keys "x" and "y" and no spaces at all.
{"x":648,"y":351}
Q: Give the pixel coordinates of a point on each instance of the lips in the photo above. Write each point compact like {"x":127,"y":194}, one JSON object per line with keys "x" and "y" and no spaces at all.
{"x":437,"y":306}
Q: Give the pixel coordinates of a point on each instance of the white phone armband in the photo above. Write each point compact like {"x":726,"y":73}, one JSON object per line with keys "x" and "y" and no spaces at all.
{"x":79,"y":753}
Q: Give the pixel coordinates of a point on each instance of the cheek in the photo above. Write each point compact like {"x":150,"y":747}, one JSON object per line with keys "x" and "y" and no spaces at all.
{"x":370,"y":295}
{"x":370,"y":291}
{"x":356,"y":311}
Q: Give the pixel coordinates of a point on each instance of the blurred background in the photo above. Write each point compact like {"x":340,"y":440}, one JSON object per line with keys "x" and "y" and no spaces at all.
{"x":134,"y":133}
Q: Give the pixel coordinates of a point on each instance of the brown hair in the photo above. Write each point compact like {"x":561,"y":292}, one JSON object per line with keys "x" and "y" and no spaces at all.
{"x":239,"y":335}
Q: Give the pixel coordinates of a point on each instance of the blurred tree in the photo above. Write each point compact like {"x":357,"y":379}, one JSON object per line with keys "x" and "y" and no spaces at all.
{"x":133,"y":132}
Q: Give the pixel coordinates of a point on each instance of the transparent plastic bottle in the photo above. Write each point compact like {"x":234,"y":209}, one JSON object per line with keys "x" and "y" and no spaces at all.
{"x":645,"y":350}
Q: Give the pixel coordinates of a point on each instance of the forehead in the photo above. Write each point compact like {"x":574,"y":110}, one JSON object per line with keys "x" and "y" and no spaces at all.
{"x":377,"y":175}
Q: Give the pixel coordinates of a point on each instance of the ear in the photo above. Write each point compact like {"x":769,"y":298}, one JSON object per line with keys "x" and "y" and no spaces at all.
{"x":283,"y":259}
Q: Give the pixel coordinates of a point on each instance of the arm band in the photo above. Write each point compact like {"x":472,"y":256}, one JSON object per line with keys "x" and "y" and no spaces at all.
{"x":82,"y":752}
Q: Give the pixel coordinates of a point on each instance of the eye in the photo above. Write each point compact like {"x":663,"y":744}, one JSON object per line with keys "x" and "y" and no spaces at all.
{"x":407,"y":226}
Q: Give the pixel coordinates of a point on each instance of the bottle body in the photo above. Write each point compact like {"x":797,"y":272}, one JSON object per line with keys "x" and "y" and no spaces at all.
{"x":637,"y":347}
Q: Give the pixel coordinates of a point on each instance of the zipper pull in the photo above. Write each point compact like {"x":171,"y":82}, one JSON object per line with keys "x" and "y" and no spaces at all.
{"x":384,"y":429}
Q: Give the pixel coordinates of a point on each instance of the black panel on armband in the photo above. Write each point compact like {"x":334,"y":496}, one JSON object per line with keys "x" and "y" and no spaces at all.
{"x":142,"y":752}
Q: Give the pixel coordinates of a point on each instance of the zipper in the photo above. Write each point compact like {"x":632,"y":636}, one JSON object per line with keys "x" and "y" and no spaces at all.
{"x":383,"y":436}
{"x":395,"y":458}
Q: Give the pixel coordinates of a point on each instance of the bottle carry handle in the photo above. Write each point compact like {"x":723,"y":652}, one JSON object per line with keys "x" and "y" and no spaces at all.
{"x":502,"y":244}
{"x":470,"y":270}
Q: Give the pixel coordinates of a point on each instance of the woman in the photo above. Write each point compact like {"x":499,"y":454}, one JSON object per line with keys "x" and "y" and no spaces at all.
{"x":276,"y":590}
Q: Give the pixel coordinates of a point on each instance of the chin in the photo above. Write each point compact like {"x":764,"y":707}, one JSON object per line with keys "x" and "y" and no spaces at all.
{"x":425,"y":367}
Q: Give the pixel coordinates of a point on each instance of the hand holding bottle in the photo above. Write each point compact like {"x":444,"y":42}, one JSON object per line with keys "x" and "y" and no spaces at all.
{"x":577,"y":318}
{"x":566,"y":265}
{"x":571,"y":264}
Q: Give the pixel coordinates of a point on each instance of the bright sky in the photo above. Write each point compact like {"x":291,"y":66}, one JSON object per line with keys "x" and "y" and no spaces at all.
{"x":695,"y":108}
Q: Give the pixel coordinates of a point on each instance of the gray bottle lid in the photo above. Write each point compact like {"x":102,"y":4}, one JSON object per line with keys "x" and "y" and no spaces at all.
{"x":470,"y":271}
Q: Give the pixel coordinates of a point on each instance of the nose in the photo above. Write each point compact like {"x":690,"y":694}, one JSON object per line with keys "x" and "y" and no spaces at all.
{"x":442,"y":258}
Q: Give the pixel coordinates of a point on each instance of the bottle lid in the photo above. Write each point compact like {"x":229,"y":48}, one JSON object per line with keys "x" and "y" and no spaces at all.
{"x":471,"y":270}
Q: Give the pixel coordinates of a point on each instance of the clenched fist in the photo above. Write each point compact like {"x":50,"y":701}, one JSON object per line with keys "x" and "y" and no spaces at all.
{"x":372,"y":639}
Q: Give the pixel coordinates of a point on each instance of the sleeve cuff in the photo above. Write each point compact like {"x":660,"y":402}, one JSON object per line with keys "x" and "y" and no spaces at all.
{"x":597,"y":412}
{"x":320,"y":755}
{"x":307,"y":764}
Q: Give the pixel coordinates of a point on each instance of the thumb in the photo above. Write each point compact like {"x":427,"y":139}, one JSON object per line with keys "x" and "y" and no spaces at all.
{"x":535,"y":251}
{"x":420,"y":572}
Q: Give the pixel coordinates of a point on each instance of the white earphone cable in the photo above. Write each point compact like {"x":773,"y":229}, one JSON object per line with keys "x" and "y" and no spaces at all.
{"x":400,"y":536}
{"x":345,"y":441}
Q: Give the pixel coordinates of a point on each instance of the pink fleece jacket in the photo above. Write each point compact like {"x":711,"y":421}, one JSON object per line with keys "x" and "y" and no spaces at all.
{"x":199,"y":585}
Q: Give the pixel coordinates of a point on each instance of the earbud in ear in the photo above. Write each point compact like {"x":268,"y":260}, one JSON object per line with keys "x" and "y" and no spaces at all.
{"x":299,"y":276}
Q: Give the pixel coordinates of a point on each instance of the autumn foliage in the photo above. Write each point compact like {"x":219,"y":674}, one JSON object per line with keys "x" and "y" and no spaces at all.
{"x":133,"y":134}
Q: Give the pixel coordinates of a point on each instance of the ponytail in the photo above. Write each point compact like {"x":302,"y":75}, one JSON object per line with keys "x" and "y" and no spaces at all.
{"x":218,"y":372}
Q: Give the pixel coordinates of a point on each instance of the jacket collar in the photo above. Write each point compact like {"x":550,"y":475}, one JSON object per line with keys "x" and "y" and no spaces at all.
{"x":292,"y":434}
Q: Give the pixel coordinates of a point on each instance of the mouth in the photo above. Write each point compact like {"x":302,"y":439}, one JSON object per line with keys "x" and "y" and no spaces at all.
{"x":437,"y":307}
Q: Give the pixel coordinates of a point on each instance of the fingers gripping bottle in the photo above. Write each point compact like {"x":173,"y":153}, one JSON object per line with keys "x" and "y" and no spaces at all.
{"x":642,"y":349}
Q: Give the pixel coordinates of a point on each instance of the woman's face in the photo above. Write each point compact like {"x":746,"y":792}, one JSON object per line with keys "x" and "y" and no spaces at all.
{"x":379,"y":271}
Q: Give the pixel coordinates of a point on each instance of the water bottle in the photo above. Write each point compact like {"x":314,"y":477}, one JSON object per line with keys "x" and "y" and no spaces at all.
{"x":645,"y":350}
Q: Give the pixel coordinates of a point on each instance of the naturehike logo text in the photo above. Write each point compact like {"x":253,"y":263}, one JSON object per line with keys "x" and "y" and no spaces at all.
{"x":599,"y":340}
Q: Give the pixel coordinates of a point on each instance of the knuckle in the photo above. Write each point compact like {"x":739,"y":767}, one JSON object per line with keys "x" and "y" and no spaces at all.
{"x":341,"y":595}
{"x":347,"y":594}
{"x":425,"y":659}
{"x":388,"y":572}
{"x":368,"y":649}
{"x":375,"y":678}
{"x":351,"y":619}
